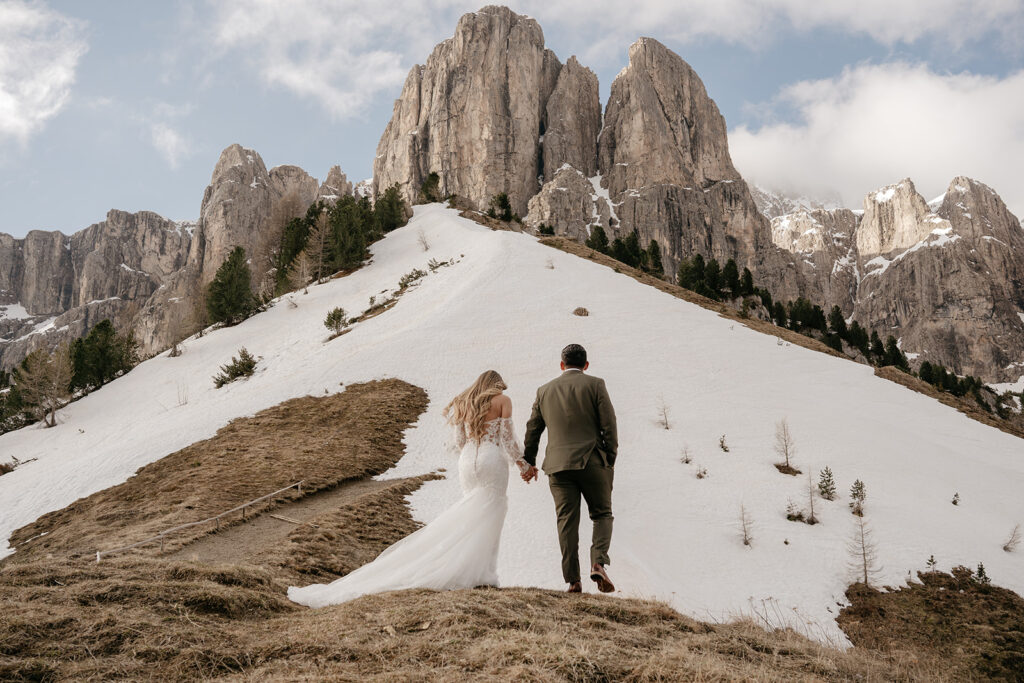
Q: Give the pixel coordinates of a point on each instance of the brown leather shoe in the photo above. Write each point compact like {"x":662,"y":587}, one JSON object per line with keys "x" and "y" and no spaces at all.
{"x":576,"y":587}
{"x":598,"y":575}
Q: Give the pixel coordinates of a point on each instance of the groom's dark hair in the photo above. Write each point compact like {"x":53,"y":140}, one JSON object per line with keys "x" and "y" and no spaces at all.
{"x":574,"y":356}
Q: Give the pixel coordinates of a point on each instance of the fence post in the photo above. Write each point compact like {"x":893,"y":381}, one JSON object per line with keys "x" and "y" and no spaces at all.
{"x":97,"y":557}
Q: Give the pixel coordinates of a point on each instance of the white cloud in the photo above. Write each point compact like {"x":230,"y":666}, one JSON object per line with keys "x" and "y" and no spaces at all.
{"x":172,"y":145}
{"x":339,"y":53}
{"x":875,"y":124}
{"x":39,"y":54}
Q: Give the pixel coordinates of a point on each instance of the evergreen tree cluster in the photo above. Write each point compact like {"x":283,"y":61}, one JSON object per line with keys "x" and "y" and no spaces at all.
{"x":717,"y":282}
{"x":944,"y":380}
{"x":430,"y":190}
{"x":352,"y":225}
{"x":501,"y":208}
{"x":91,"y":361}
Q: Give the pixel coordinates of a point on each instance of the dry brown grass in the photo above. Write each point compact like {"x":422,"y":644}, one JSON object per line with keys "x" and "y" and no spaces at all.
{"x":321,"y":440}
{"x":141,"y":618}
{"x":976,"y":630}
{"x":345,"y":539}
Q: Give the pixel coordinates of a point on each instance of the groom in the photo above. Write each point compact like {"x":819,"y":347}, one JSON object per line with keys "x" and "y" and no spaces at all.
{"x":582,"y":443}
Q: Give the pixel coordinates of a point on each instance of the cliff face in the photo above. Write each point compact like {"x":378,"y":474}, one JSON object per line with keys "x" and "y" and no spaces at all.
{"x":474,"y":113}
{"x":140,"y":269}
{"x":947,"y":279}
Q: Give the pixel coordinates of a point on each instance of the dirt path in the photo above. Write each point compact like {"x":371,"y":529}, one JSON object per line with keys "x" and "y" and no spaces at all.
{"x":247,"y":543}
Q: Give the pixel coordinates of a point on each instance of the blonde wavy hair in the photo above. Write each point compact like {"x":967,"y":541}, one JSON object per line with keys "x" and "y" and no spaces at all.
{"x":472,"y":405}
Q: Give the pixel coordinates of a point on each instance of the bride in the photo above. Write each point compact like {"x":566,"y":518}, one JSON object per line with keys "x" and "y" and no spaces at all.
{"x":459,"y":549}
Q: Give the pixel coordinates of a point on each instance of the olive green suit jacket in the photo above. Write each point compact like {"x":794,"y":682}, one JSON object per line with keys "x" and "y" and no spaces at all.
{"x":577,"y":412}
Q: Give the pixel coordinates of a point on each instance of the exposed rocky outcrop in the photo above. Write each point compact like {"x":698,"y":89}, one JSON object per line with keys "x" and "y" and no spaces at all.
{"x":946,"y":279}
{"x":237,"y":204}
{"x":141,"y":269}
{"x":573,"y":121}
{"x":571,"y":205}
{"x":335,"y":185}
{"x":473,"y":113}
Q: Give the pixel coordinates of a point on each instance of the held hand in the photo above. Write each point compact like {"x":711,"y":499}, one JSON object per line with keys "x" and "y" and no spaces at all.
{"x":530,"y":473}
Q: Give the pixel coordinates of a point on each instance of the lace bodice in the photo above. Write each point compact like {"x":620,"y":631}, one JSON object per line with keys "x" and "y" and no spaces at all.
{"x":500,"y":431}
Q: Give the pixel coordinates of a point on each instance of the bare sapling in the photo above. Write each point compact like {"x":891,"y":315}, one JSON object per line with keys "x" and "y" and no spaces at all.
{"x":785,"y":448}
{"x":746,"y":526}
{"x":685,"y":456}
{"x":722,"y":444}
{"x":863,"y":553}
{"x":1013,"y":541}
{"x":421,"y":237}
{"x":663,"y":413}
{"x":811,"y":519}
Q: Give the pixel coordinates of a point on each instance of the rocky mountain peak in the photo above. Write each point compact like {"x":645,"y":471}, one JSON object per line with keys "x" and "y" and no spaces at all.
{"x":572,"y":121}
{"x":473,"y":113}
{"x":896,"y":217}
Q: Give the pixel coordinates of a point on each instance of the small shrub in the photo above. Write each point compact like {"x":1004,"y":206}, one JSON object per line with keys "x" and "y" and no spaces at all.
{"x":582,"y":312}
{"x":722,"y":444}
{"x":931,"y":563}
{"x":550,"y":264}
{"x":981,"y":577}
{"x":858,"y":494}
{"x":421,"y":237}
{"x":685,"y":456}
{"x":411,"y":278}
{"x":545,"y":229}
{"x":242,"y":366}
{"x":337,"y":320}
{"x":433,"y":264}
{"x":702,"y":472}
{"x":430,"y":189}
{"x":746,"y":526}
{"x":793,"y":513}
{"x":501,"y":208}
{"x":826,"y":485}
{"x":956,"y":498}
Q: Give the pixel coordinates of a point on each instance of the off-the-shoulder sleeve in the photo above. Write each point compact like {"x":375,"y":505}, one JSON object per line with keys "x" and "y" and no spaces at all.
{"x":508,"y":441}
{"x":456,"y":438}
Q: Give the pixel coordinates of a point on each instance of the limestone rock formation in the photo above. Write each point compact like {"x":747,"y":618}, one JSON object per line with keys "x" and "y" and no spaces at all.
{"x":237,"y":205}
{"x":335,"y":185}
{"x":773,"y":203}
{"x":946,"y":279}
{"x":54,"y":282}
{"x":573,"y":121}
{"x":140,"y":269}
{"x":894,"y":218}
{"x":664,"y":160}
{"x":570,"y":204}
{"x":473,"y":113}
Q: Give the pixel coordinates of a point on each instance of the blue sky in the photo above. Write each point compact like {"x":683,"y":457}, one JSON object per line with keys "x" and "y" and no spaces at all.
{"x":126,"y":104}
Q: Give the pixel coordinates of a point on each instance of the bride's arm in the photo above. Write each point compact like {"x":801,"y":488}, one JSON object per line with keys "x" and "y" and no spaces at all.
{"x":508,"y":440}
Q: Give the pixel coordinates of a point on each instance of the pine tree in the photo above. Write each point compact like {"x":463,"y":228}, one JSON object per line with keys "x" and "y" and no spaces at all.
{"x":43,"y":380}
{"x":731,"y":278}
{"x":691,"y":273}
{"x":598,"y":240}
{"x":101,"y":356}
{"x":826,"y":485}
{"x":635,"y":256}
{"x":712,"y":279}
{"x":747,"y":283}
{"x":391,"y":211}
{"x":618,"y":251}
{"x":654,"y":265}
{"x":430,"y":189}
{"x":858,"y":494}
{"x":229,"y":298}
{"x":877,"y":348}
{"x":337,"y":320}
{"x":894,"y":356}
{"x":837,"y":322}
{"x":300,"y":271}
{"x":317,"y":248}
{"x":858,"y":338}
{"x":779,"y":314}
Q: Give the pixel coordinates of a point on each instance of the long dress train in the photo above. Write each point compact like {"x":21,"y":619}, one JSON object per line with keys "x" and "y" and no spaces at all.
{"x":459,"y":549}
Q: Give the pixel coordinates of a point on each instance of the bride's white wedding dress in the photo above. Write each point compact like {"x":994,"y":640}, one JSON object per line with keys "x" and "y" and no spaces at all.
{"x":459,"y":549}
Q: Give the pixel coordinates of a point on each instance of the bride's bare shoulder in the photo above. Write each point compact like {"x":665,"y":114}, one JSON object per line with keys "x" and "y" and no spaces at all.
{"x":502,"y":403}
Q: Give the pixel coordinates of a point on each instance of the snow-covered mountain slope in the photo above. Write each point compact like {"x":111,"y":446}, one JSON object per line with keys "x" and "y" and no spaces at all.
{"x":502,"y":305}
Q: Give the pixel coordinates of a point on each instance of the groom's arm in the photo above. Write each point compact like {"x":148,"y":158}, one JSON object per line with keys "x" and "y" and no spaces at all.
{"x":606,"y":418}
{"x":534,"y":428}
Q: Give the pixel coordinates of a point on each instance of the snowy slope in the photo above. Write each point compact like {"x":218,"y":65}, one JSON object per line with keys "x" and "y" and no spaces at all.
{"x":676,"y":536}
